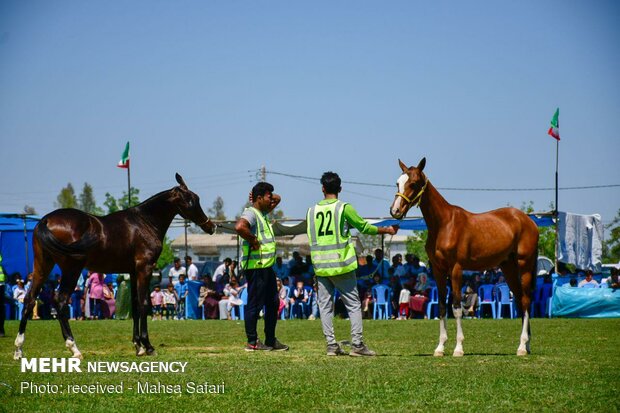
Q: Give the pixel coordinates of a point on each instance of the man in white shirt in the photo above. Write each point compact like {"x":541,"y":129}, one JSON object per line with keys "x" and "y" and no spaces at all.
{"x":192,"y":270}
{"x":221,"y":270}
{"x":382,"y":265}
{"x":173,"y":275}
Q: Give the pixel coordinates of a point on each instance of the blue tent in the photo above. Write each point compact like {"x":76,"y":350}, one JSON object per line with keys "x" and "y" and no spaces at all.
{"x":418,"y":224}
{"x":16,"y":243}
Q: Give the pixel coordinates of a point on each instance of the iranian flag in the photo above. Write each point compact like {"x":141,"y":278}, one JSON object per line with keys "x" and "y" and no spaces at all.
{"x":124,"y":162}
{"x":554,"y":130}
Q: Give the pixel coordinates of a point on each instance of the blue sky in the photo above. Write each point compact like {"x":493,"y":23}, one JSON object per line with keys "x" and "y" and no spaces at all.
{"x":215,"y":89}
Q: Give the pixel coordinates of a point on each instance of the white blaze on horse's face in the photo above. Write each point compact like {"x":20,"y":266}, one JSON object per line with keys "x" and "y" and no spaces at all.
{"x":398,"y":206}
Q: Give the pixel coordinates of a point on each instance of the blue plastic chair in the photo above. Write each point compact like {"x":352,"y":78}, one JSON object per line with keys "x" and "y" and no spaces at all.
{"x":244,"y":298}
{"x":485,"y":297}
{"x":434,"y":300}
{"x":381,"y":295}
{"x":503,"y":298}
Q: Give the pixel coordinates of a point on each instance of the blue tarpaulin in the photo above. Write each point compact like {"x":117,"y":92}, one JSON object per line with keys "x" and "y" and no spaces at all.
{"x":14,"y":243}
{"x":585,"y":302}
{"x":193,"y":293}
{"x":418,"y":224}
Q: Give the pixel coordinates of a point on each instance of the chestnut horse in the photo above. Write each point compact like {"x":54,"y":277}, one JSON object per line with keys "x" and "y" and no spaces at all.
{"x":458,"y":240}
{"x":128,"y":241}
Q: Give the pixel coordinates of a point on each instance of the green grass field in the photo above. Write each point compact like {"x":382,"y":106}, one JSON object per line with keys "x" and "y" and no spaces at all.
{"x":574,"y":366}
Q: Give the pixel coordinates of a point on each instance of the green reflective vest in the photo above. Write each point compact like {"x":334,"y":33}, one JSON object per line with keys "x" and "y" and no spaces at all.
{"x":332,"y":251}
{"x":2,"y":276}
{"x":265,"y":257}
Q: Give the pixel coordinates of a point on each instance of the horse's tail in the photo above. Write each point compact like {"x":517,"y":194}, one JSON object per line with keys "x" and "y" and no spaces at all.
{"x":50,"y":243}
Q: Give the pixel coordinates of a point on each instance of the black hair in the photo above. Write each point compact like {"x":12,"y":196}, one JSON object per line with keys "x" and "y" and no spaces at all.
{"x":261,"y":189}
{"x":331,"y":182}
{"x":177,"y":259}
{"x":228,"y":260}
{"x":188,"y":258}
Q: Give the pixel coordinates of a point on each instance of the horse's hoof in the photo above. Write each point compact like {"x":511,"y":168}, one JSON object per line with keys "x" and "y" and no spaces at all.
{"x":18,"y":355}
{"x":140,"y":352}
{"x":438,"y":354}
{"x":458,"y":353}
{"x":521,"y":352}
{"x":151,"y":352}
{"x":77,"y":356}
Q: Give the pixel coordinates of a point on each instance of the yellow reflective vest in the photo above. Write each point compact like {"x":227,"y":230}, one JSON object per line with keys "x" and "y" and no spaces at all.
{"x":332,"y":251}
{"x":265,"y":257}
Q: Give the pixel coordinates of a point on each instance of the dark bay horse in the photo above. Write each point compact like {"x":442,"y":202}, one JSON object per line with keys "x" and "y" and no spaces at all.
{"x":458,"y":240}
{"x":128,"y":241}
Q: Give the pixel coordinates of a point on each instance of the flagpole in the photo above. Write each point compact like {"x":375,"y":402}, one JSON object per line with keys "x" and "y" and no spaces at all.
{"x":129,"y":185}
{"x":556,"y":215}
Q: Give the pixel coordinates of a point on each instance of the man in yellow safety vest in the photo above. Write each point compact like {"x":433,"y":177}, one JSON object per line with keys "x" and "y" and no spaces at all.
{"x":335,"y":261}
{"x":259,"y":255}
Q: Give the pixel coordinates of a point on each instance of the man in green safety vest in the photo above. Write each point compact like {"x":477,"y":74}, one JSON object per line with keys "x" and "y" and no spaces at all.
{"x":2,"y":287}
{"x":335,"y":261}
{"x":259,"y":255}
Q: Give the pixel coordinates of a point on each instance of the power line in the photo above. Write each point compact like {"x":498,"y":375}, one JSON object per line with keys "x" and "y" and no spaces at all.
{"x":566,"y":188}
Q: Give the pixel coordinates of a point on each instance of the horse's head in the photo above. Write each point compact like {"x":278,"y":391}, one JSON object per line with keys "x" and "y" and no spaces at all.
{"x":411,"y":185}
{"x":188,"y":205}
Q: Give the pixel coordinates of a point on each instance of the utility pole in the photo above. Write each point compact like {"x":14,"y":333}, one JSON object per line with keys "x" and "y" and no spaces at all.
{"x":263,"y":174}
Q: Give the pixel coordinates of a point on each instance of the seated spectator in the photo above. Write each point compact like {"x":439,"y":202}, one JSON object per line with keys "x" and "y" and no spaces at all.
{"x":170,"y":301}
{"x":413,"y":267}
{"x":280,"y":269}
{"x":221,"y":271}
{"x":208,"y":299}
{"x":19,"y":292}
{"x":589,"y":282}
{"x":422,"y":287}
{"x":233,"y":292}
{"x":108,"y":305}
{"x":300,"y":297}
{"x":573,"y":282}
{"x":282,"y":297}
{"x":182,"y":290}
{"x":157,"y":300}
{"x":469,"y":300}
{"x":382,"y":265}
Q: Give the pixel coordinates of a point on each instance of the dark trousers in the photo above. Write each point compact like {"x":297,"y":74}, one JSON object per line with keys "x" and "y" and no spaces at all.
{"x":262,"y":291}
{"x":2,"y":309}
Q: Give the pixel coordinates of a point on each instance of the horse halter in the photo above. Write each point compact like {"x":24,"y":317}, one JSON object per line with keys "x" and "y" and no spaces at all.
{"x":415,"y":201}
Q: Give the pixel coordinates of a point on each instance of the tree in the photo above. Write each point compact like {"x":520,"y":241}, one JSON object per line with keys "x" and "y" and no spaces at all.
{"x":135,"y":199}
{"x":66,"y":198}
{"x":611,"y":246}
{"x":29,"y":210}
{"x":167,"y":256}
{"x":546,"y":240}
{"x":87,"y":201}
{"x":217,"y":210}
{"x":416,"y":243}
{"x":110,"y":203}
